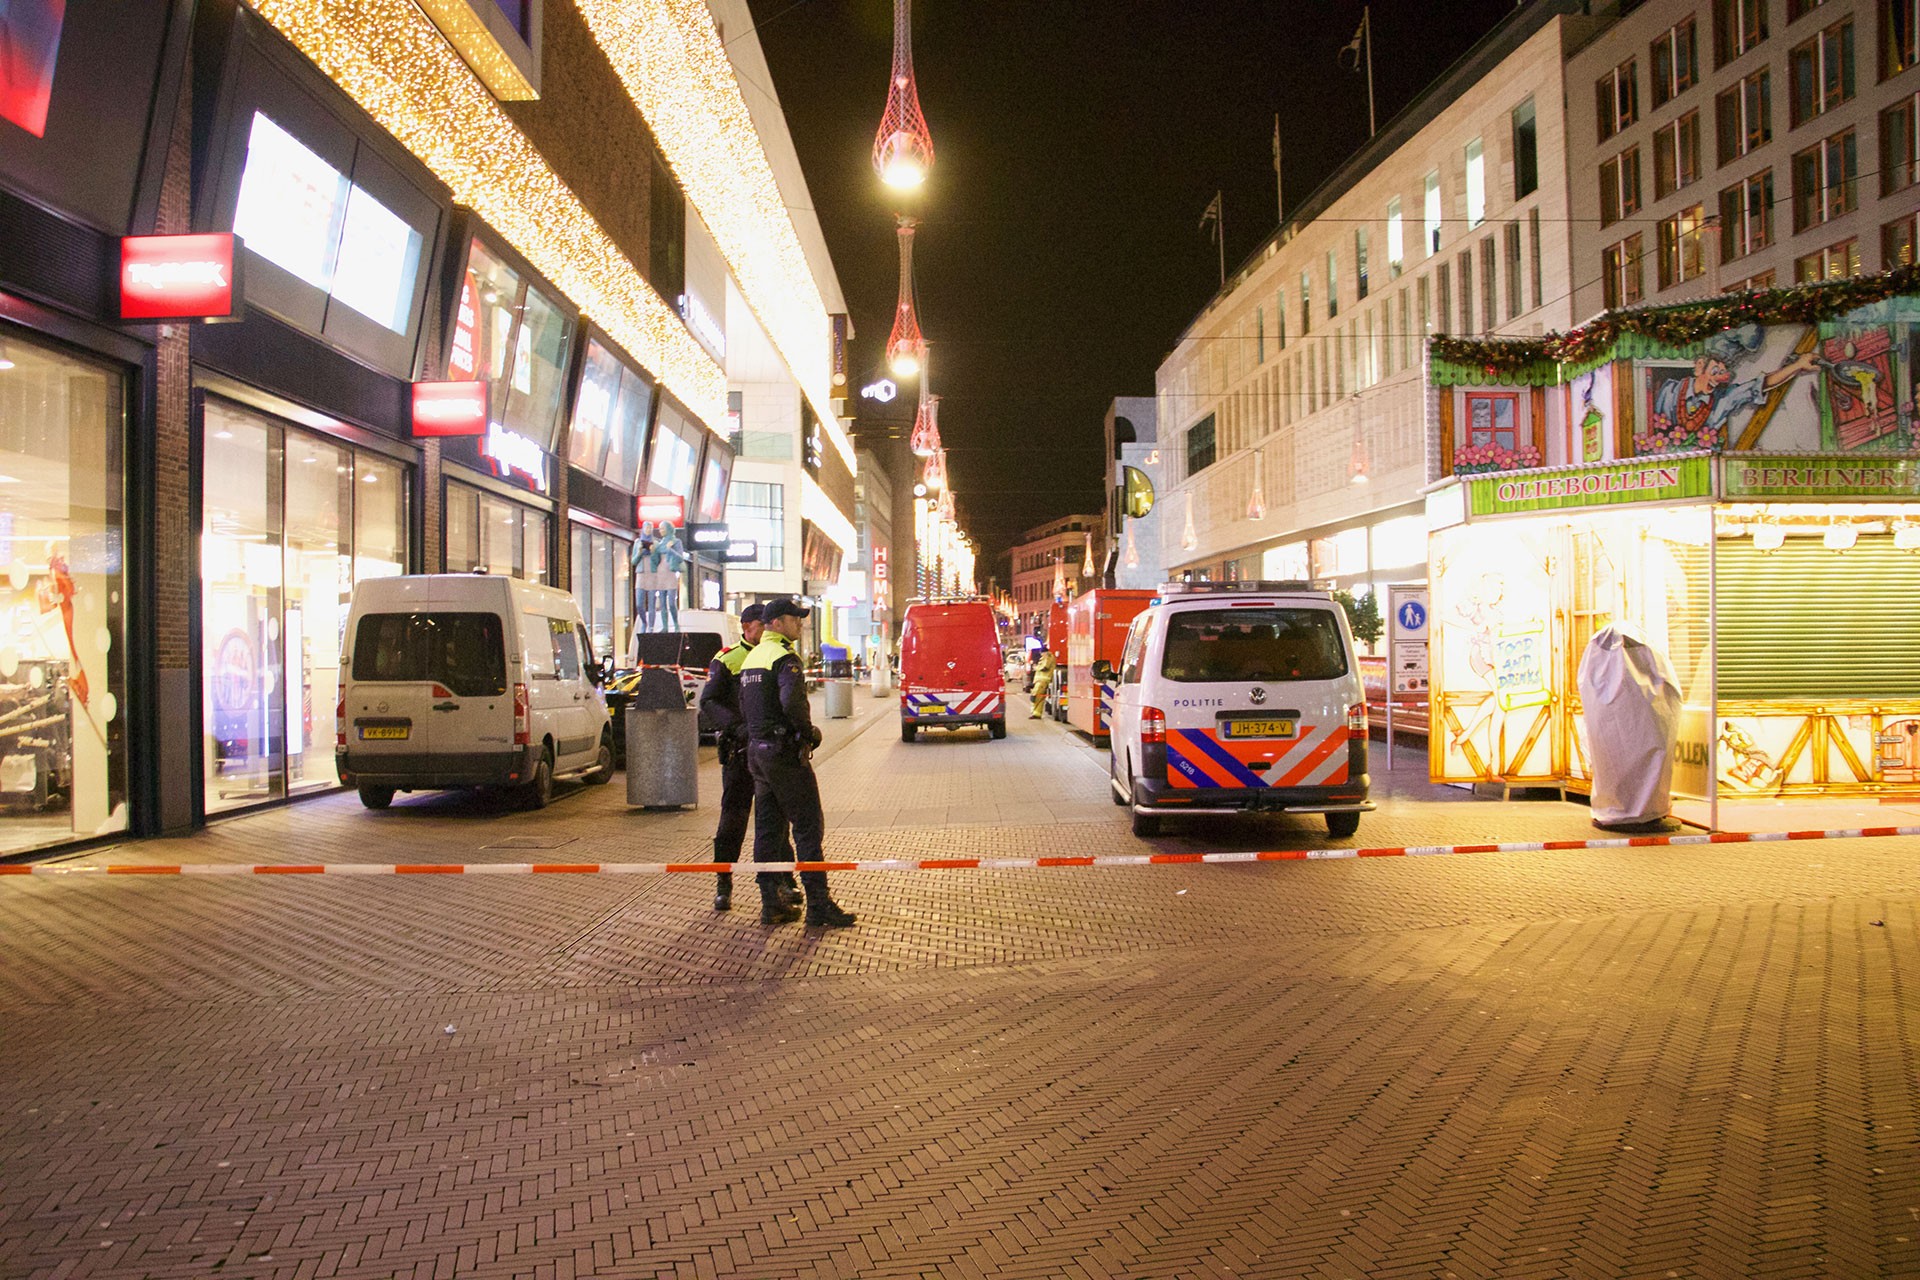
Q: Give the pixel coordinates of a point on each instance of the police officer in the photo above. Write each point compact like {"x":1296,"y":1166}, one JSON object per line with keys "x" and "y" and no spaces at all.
{"x":781,"y":737}
{"x":720,"y":705}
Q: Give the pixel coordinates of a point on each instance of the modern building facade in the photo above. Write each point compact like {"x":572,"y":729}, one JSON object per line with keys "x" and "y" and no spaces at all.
{"x":1134,"y":546}
{"x":1292,"y":412}
{"x":1051,"y":562}
{"x":493,"y":196}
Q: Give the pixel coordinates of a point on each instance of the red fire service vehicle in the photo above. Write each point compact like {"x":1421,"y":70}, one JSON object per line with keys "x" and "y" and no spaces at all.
{"x":1097,"y":629}
{"x":950,"y":673}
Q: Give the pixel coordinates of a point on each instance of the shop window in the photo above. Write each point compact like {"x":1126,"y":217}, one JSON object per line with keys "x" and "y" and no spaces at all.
{"x":1676,"y":155}
{"x":610,"y":413}
{"x":676,"y":455}
{"x":1746,"y":216}
{"x":758,"y":511}
{"x":491,"y":534}
{"x":1824,"y":181}
{"x":603,"y":587}
{"x":292,"y":520}
{"x":715,"y":472}
{"x":511,"y":336}
{"x":1617,"y":96}
{"x":1675,"y":60}
{"x":1493,"y":419}
{"x":1820,"y":72}
{"x":1738,"y":25}
{"x":1744,"y":116}
{"x":63,"y":761}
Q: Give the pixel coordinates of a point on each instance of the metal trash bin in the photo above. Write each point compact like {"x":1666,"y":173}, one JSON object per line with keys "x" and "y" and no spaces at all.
{"x":663,"y":744}
{"x":838,"y":669}
{"x":882,"y":685}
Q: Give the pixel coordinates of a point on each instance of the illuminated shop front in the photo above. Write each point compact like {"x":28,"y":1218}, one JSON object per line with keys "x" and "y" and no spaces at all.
{"x":1749,"y":496}
{"x":606,"y":446}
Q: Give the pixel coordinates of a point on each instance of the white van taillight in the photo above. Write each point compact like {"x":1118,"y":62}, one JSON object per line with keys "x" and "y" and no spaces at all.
{"x":1153,"y":725}
{"x":522,"y":717}
{"x":1357,"y":718}
{"x":340,"y":723}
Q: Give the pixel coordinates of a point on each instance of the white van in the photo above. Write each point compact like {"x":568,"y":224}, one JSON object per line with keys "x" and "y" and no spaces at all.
{"x":468,"y":680}
{"x":1239,"y":697}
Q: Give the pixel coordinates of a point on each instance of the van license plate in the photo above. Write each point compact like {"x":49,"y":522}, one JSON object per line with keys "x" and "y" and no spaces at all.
{"x":387,"y":732}
{"x":1258,"y":729}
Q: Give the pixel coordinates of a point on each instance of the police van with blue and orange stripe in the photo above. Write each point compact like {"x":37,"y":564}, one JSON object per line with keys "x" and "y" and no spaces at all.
{"x":1239,"y":697}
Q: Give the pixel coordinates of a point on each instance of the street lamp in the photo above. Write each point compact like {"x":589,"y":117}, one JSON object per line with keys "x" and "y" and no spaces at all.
{"x":903,"y":146}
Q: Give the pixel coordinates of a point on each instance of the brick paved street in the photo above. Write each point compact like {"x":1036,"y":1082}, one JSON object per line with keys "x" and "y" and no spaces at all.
{"x":1694,"y":1062}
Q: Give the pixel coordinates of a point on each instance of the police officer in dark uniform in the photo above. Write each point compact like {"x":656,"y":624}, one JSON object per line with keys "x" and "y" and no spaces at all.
{"x":720,"y":705}
{"x":781,"y":737}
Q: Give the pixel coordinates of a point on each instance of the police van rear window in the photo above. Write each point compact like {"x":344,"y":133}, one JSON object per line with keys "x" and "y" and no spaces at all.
{"x":1207,"y":646}
{"x":462,"y":651}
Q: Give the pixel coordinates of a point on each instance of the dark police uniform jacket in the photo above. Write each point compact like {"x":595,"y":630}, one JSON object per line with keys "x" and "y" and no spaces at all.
{"x":773,"y":695}
{"x":720,"y":698}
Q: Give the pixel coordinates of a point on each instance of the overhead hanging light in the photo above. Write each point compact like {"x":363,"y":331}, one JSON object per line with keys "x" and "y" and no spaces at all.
{"x":1256,"y":501}
{"x":903,"y":146}
{"x":925,"y":441}
{"x":1086,"y":564}
{"x":1840,"y":536}
{"x":1357,"y":461}
{"x":935,"y":476}
{"x":1188,"y":538}
{"x":905,"y":344}
{"x":1768,"y":537}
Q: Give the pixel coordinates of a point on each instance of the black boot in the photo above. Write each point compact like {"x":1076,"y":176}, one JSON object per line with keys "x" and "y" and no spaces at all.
{"x":790,"y":893}
{"x":774,"y":908}
{"x":723,"y":894}
{"x":822,"y":911}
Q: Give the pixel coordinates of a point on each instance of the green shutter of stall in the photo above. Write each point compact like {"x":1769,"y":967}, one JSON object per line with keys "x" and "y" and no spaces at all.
{"x":1806,"y":622}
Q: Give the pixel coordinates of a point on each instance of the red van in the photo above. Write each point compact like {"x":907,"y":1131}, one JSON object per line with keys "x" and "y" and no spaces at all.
{"x":1057,"y":645}
{"x":950,"y":669}
{"x":1097,"y":631}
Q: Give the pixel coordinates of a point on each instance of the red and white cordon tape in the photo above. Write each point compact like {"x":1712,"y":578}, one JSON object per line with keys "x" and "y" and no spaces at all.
{"x":920,"y":864}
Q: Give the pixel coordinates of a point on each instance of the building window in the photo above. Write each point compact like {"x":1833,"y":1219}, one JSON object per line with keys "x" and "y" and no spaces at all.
{"x":1489,"y":287}
{"x":1200,"y":445}
{"x":1681,"y":258}
{"x":1533,"y":244}
{"x":758,"y":511}
{"x":1514,"y":292}
{"x":1617,"y":95}
{"x":1465,"y":263}
{"x":1333,"y":283}
{"x":1899,"y":36}
{"x":1360,"y":263}
{"x":1442,"y":299}
{"x":1493,"y":419}
{"x":1620,"y":187}
{"x":1798,"y":9}
{"x":1899,"y":145}
{"x":1745,"y":116}
{"x":1526,"y":151}
{"x":1764,"y":280}
{"x":1620,"y":273}
{"x":1821,"y":72}
{"x":1676,"y":155}
{"x":1824,"y":182}
{"x":1306,"y":304}
{"x":489,"y":534}
{"x":1396,"y":256}
{"x":1746,"y":216}
{"x":1280,"y":321}
{"x":1476,"y":184}
{"x":1738,"y":25}
{"x":1835,"y":263}
{"x":602,"y":569}
{"x":1897,"y":241}
{"x":1432,"y":209}
{"x":1259,"y":336}
{"x":1676,"y":63}
{"x":666,"y":231}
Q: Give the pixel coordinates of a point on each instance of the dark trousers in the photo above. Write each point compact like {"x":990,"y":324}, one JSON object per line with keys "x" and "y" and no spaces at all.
{"x":736,"y":804}
{"x":786,"y":795}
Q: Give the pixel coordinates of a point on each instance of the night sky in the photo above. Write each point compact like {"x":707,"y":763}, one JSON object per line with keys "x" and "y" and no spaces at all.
{"x":1077,"y":143}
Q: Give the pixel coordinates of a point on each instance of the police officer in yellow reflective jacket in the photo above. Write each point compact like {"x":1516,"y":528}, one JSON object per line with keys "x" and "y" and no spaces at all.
{"x":720,"y":707}
{"x":781,"y":737}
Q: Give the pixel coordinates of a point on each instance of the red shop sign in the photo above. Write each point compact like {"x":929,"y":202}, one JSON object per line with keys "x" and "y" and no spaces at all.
{"x":654,"y":508}
{"x":449,"y":409}
{"x":180,"y":278}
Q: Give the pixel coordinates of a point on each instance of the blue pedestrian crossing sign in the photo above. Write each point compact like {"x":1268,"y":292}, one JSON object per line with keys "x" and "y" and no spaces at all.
{"x":1412,"y":615}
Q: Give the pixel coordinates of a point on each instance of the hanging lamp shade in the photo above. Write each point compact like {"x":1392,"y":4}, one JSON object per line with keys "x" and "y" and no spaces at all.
{"x":1257,"y":500}
{"x":946,"y":505}
{"x":935,"y":475}
{"x":1059,"y":578}
{"x":1133,"y":552}
{"x":905,"y":345}
{"x":903,"y":147}
{"x":1357,"y":462}
{"x":925,"y":441}
{"x":1188,"y":538}
{"x":1086,"y":564}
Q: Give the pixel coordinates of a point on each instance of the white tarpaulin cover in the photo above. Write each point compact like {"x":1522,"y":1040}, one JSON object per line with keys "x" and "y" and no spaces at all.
{"x":1630,"y":698}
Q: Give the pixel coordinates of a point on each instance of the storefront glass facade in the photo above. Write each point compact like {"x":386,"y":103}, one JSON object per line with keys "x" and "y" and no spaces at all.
{"x":491,"y":534}
{"x":292,"y":519}
{"x":63,"y":762}
{"x":603,"y":584}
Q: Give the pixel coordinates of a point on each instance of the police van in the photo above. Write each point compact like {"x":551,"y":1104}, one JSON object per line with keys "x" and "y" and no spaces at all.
{"x":1239,"y":697}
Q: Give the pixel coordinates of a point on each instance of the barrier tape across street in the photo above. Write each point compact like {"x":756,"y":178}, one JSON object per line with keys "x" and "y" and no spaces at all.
{"x":924,"y":864}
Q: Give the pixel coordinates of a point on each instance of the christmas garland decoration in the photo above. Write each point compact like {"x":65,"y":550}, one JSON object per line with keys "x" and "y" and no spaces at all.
{"x":1557,"y":356}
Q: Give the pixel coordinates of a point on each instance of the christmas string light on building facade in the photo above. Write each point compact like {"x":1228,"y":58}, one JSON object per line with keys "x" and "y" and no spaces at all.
{"x":905,"y":344}
{"x":903,"y":146}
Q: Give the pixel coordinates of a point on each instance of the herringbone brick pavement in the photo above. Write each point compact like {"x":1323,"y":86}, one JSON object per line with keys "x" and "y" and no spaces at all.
{"x":1692,"y":1062}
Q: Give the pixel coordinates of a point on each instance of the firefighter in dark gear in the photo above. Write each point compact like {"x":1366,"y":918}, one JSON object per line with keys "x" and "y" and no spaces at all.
{"x":781,"y":737}
{"x":720,"y":706}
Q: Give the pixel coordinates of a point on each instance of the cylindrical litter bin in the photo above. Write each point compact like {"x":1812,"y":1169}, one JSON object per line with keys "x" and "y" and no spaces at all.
{"x":663,"y":744}
{"x":881,"y":684}
{"x":839,"y":697}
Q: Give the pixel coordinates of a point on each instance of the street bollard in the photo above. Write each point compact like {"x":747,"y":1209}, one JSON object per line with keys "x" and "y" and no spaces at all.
{"x":663,"y":744}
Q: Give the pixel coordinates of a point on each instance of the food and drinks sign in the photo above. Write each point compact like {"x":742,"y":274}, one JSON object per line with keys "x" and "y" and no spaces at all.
{"x":1665,"y":479}
{"x":1816,"y":476}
